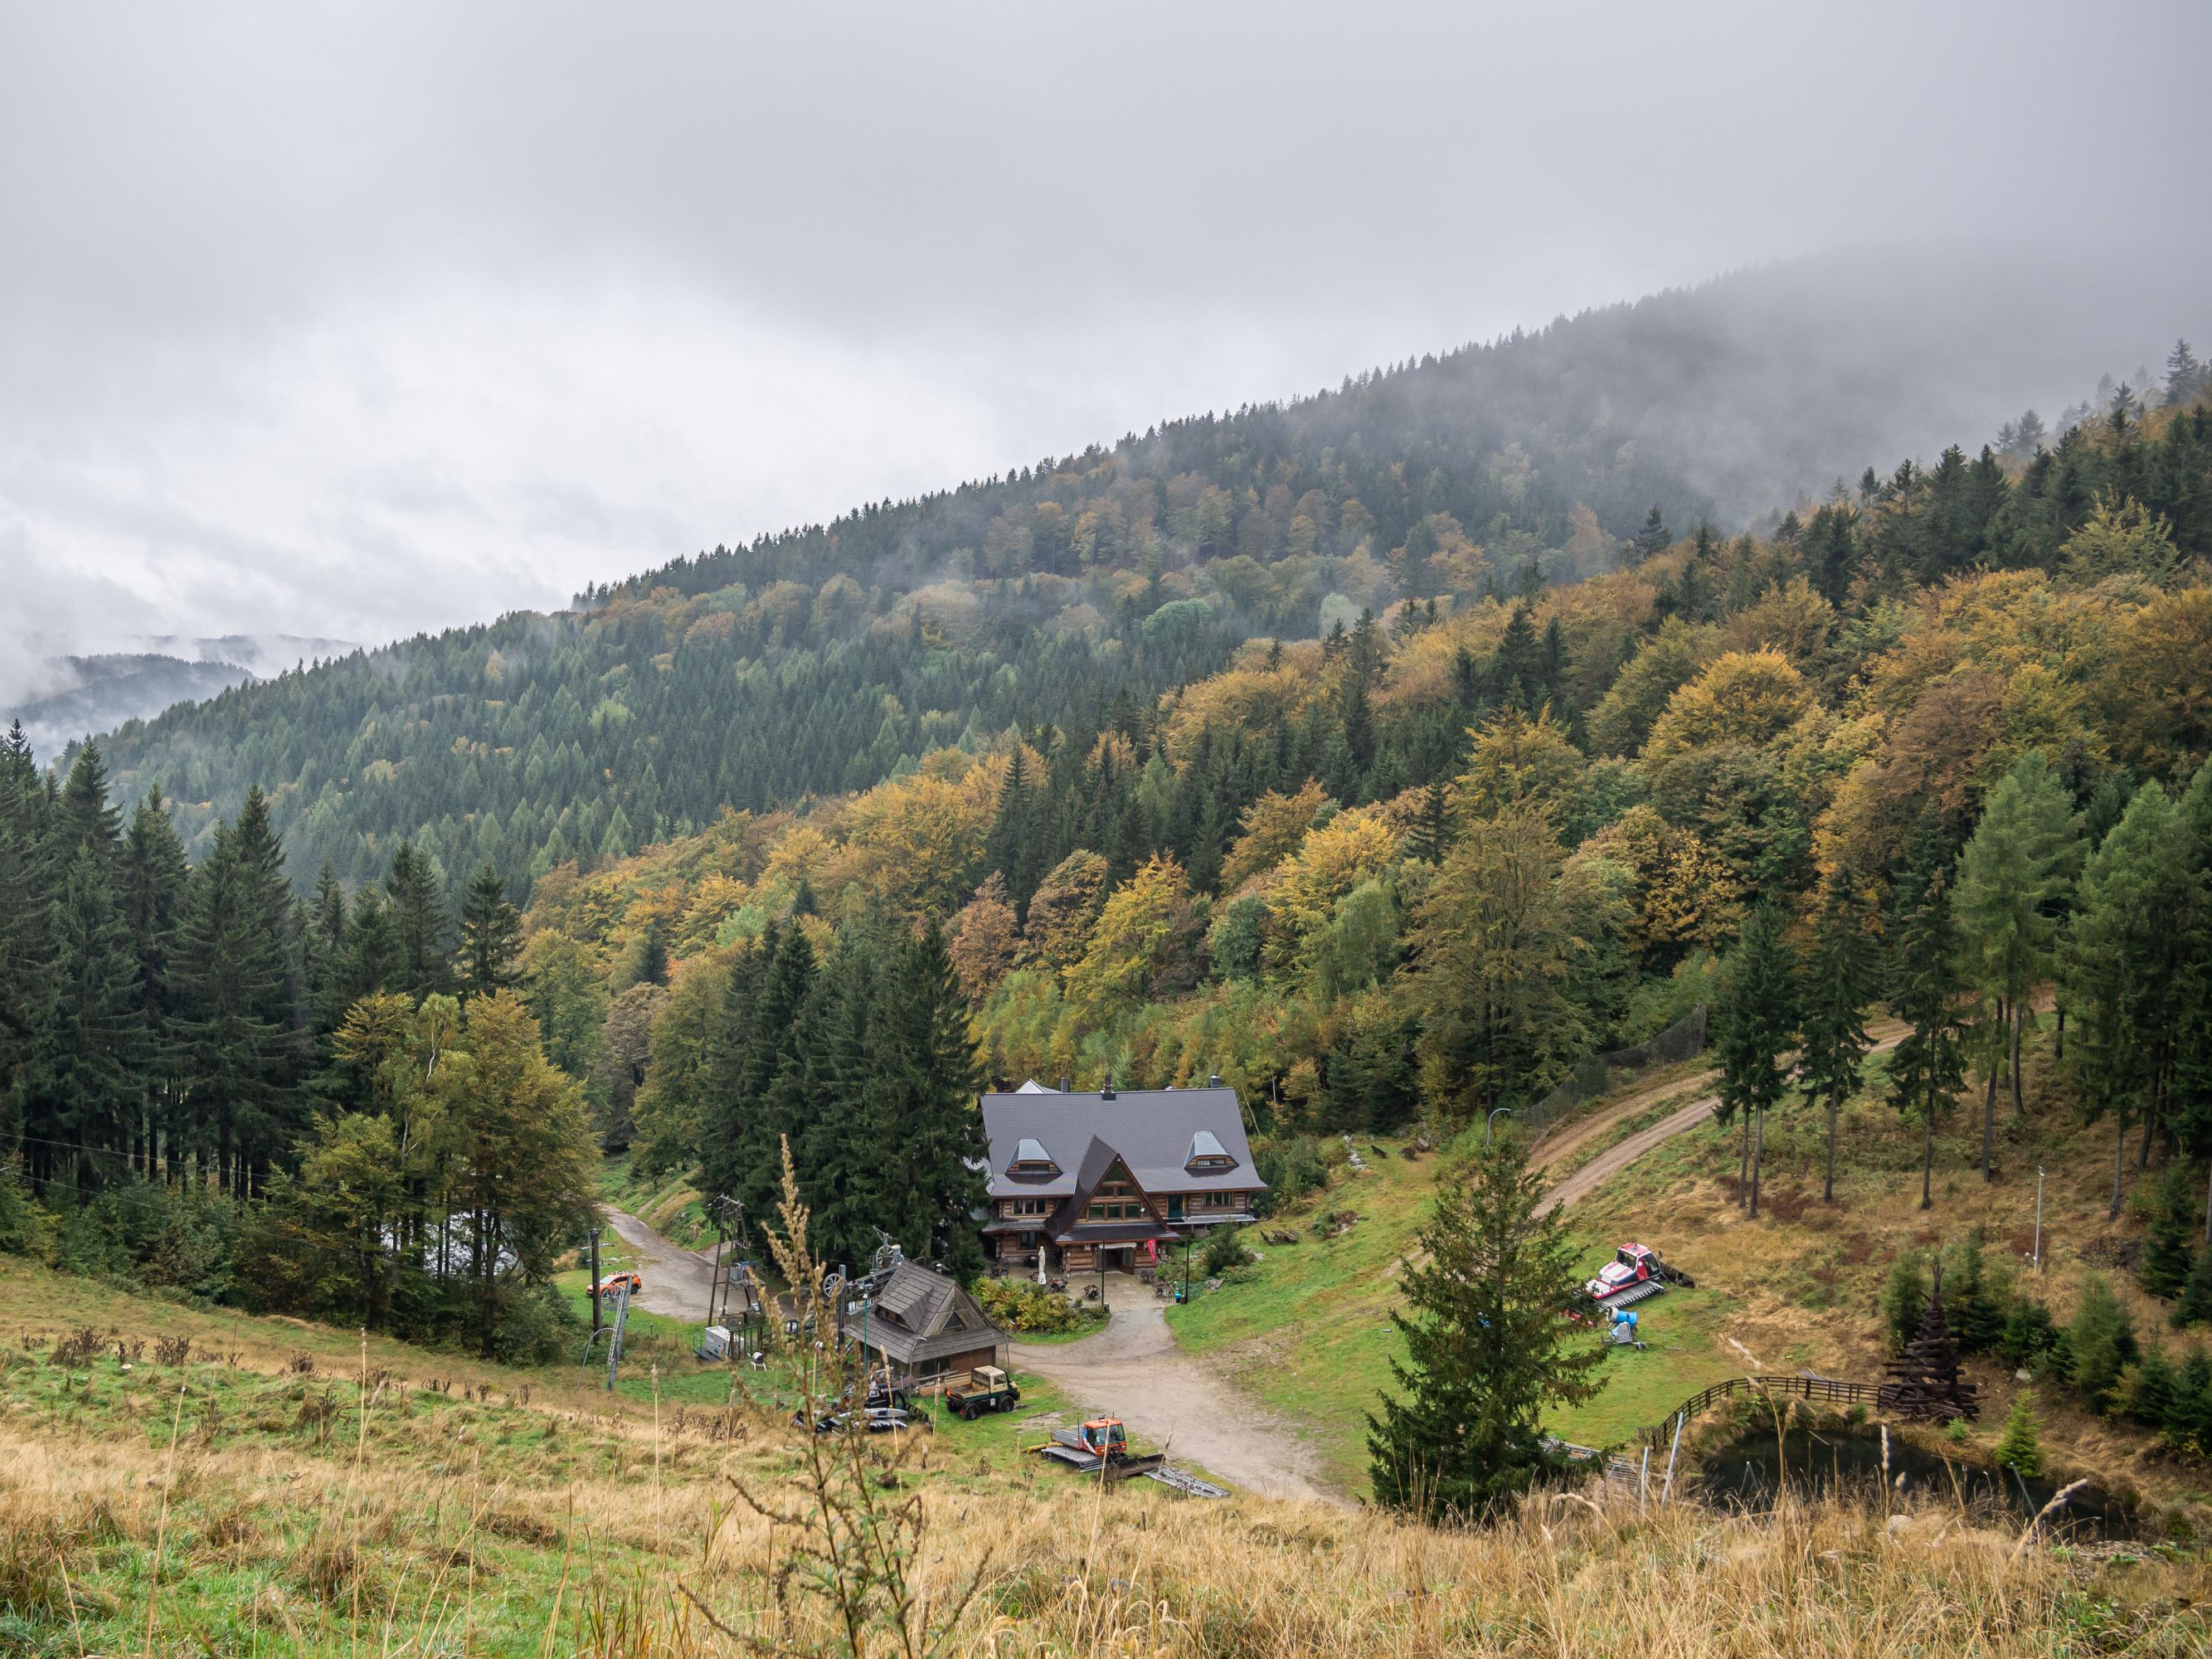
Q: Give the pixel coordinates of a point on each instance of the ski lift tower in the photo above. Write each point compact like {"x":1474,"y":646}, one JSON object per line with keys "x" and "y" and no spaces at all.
{"x":612,"y":1331}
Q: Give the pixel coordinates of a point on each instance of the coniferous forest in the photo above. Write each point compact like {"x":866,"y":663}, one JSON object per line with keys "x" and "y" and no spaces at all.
{"x":1386,"y":801}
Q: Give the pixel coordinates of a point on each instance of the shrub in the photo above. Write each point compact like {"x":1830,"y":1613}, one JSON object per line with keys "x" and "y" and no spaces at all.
{"x":1224,"y":1249}
{"x":1291,"y":1166}
{"x":1023,"y":1305}
{"x":2028,"y":1332}
{"x":537,"y":1327}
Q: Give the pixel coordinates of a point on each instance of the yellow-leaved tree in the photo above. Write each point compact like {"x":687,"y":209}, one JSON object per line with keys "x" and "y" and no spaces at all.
{"x":1144,"y":945}
{"x":1744,"y":696}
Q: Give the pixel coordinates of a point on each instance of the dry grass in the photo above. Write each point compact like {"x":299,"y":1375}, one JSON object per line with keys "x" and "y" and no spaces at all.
{"x":1125,"y":1575}
{"x":442,"y":1532}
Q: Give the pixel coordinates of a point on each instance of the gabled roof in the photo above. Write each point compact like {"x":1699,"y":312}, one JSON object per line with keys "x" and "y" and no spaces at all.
{"x":1155,"y":1131}
{"x":920,"y":1315}
{"x":1033,"y":1087}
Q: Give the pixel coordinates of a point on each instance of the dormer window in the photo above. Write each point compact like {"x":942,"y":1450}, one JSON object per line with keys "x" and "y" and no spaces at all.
{"x":1031,"y":1158}
{"x":1207,"y":1155}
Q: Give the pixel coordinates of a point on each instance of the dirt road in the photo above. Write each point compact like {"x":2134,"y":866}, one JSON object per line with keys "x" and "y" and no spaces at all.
{"x":675,"y":1280}
{"x":1134,"y":1369}
{"x":1610,"y":1162}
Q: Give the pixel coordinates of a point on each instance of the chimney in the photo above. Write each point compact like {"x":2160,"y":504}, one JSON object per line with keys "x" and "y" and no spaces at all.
{"x":1107,"y":1093}
{"x":1214,"y":1080}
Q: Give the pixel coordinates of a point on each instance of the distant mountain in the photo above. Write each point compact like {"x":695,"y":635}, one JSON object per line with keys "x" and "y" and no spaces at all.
{"x":77,"y":695}
{"x":1074,"y":590}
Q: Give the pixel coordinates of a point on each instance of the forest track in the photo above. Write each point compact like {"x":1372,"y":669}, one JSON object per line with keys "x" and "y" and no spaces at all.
{"x":677,"y":1281}
{"x":1615,"y":1158}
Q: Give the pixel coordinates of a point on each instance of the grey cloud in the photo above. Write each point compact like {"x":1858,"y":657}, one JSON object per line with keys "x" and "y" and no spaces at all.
{"x":354,"y":321}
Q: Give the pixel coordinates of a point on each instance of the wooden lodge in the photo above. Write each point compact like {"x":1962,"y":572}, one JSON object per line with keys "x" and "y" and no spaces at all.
{"x":1079,"y":1182}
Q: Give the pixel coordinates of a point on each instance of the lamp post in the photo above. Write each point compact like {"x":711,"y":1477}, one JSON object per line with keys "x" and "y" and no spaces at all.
{"x":1491,"y":1123}
{"x":2038,"y":1217}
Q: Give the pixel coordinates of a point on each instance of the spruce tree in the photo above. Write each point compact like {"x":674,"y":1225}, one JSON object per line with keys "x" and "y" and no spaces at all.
{"x":97,"y":1053}
{"x":418,"y":925}
{"x":2021,"y":1449}
{"x":1928,"y":1068}
{"x":151,"y":893}
{"x":491,"y":936}
{"x":1840,"y":977}
{"x":2167,"y":1252}
{"x":1757,"y":1021}
{"x":1486,"y":1350}
{"x":2014,"y":875}
{"x":2123,"y":965}
{"x":26,"y":953}
{"x":237,"y":1050}
{"x":934,"y":1163}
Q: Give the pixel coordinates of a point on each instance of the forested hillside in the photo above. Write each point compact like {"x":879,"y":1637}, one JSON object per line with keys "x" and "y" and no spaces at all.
{"x":1420,"y":867}
{"x":1415,"y":868}
{"x":823,"y":659}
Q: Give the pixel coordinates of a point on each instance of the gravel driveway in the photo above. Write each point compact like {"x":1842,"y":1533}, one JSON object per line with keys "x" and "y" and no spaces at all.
{"x":1132,"y":1370}
{"x":675,"y":1280}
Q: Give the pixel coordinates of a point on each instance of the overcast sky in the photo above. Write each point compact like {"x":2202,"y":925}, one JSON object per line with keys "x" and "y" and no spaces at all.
{"x":355,"y":320}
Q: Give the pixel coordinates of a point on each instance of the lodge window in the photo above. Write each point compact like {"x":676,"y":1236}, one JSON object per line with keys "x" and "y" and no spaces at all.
{"x":1114,"y":1212}
{"x":1022,"y":1207}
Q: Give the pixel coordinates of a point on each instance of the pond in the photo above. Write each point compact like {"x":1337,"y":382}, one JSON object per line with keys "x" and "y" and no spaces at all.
{"x":1743,"y":1474}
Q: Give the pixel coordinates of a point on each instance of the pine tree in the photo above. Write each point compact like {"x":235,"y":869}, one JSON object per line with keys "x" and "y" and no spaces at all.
{"x":1486,"y":1351}
{"x":1757,"y":1021}
{"x":1928,"y":1068}
{"x":2021,"y":1449}
{"x":1840,"y":978}
{"x":491,"y":937}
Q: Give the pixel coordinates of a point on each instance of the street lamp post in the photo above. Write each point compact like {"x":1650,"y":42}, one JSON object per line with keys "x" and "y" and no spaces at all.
{"x":1491,"y":1123}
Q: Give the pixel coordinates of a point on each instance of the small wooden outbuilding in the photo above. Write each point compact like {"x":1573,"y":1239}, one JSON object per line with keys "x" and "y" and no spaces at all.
{"x":924,"y":1329}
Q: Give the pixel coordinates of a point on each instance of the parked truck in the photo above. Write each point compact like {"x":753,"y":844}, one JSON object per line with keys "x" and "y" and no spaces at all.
{"x":987,"y":1389}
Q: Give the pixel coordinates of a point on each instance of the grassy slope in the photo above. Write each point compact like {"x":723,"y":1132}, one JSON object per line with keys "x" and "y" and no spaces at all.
{"x":459,"y":1500}
{"x":1307,"y":1329}
{"x":504,"y":1512}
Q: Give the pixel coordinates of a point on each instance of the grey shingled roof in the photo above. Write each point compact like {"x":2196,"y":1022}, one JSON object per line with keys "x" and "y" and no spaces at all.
{"x":1151,"y":1129}
{"x":920,"y":1315}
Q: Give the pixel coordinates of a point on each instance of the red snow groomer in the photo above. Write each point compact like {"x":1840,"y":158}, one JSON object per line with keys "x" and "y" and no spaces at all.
{"x":1634,"y":1273}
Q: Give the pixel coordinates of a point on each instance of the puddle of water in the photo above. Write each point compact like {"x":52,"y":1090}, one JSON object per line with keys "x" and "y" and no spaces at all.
{"x":1743,"y":1474}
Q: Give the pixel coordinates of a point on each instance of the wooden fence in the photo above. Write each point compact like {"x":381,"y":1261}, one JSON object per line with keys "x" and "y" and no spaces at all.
{"x":1829,"y":1390}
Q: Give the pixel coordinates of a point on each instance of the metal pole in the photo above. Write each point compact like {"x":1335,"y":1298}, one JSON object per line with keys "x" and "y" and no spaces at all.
{"x":2038,"y":1217}
{"x":1490,"y":1122}
{"x":1643,"y":1478}
{"x":1667,"y":1487}
{"x":595,"y":1279}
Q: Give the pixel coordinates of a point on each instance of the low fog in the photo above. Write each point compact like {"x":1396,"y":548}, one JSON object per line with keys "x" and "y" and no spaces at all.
{"x":347,"y":326}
